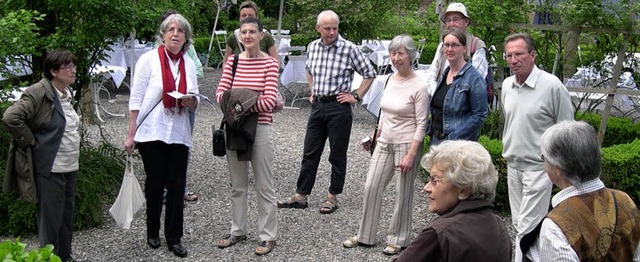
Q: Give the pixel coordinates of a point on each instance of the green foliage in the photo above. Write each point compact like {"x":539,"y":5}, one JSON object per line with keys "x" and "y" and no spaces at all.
{"x":492,"y":125}
{"x":22,"y":38}
{"x":620,"y":169}
{"x":99,"y":178}
{"x":494,"y":147}
{"x":14,"y":251}
{"x":620,"y":130}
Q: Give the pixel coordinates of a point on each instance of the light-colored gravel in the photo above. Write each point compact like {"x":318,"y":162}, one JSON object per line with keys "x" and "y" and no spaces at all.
{"x":304,"y":234}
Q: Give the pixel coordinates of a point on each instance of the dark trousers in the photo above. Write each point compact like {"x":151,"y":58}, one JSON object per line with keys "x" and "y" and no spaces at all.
{"x":54,"y":211}
{"x":166,"y":167}
{"x":327,"y":120}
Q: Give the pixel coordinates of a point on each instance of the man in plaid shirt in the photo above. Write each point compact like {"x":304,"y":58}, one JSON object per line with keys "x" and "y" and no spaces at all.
{"x":330,"y":66}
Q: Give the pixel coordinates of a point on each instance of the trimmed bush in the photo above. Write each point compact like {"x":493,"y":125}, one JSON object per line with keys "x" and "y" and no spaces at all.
{"x":620,"y":130}
{"x":621,"y":168}
{"x":99,"y":179}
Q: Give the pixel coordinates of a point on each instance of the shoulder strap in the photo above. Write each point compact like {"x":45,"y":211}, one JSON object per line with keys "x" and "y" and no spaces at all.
{"x":380,"y":109}
{"x":234,"y":67}
{"x":233,"y":75}
{"x":474,"y":42}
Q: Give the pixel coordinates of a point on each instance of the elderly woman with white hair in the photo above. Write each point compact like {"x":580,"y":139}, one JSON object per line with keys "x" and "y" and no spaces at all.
{"x":461,"y":188}
{"x":159,"y":126}
{"x":400,"y":133}
{"x":588,"y":222}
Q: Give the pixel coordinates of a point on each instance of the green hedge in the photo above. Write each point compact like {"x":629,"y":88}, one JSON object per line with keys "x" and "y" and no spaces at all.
{"x":620,"y":170}
{"x":620,"y":130}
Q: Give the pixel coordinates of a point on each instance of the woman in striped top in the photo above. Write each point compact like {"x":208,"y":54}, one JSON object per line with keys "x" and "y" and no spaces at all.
{"x":256,"y":71}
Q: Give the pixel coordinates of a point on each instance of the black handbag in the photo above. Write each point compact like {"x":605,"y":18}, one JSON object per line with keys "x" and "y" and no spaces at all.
{"x":218,"y":141}
{"x":219,"y":148}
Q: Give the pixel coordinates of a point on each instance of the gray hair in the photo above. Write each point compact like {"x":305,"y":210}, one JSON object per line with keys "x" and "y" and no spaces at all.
{"x":531,"y":45}
{"x":405,"y":41}
{"x":573,"y":147}
{"x":329,"y":14}
{"x":467,"y":165}
{"x":183,"y":24}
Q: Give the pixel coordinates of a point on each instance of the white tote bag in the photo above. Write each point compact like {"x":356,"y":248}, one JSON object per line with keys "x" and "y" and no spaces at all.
{"x":130,"y":199}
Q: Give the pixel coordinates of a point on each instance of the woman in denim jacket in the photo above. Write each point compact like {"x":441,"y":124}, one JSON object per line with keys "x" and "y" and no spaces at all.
{"x":459,"y":103}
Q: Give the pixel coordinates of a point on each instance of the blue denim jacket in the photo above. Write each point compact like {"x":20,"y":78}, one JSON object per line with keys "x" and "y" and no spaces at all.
{"x":465,"y":105}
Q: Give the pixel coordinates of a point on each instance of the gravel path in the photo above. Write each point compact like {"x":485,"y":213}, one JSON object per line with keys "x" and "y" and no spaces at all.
{"x":304,"y":234}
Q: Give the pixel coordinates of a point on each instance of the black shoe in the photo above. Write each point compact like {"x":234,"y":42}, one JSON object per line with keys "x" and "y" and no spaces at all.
{"x":178,"y":250}
{"x":153,"y":242}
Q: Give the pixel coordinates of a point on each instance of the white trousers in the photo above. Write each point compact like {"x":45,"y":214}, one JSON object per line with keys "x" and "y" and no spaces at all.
{"x":381,"y":170}
{"x":529,"y":199}
{"x":262,"y":166}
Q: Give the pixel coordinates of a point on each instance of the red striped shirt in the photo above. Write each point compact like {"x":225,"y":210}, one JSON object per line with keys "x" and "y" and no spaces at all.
{"x":257,"y":74}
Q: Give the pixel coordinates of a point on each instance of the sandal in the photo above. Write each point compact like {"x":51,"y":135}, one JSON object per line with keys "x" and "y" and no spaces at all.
{"x":350,"y":242}
{"x":230,"y":240}
{"x":329,"y":206}
{"x":190,"y":196}
{"x":294,"y":202}
{"x":265,"y":247}
{"x":392,"y":249}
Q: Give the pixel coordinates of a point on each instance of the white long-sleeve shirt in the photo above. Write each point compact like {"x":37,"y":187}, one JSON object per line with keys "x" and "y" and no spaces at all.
{"x":146,"y":96}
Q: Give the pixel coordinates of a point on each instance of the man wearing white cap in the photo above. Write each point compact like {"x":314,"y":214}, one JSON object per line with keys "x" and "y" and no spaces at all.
{"x":456,"y":16}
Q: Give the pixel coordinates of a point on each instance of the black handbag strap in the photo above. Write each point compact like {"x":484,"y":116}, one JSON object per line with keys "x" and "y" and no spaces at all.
{"x":233,"y":76}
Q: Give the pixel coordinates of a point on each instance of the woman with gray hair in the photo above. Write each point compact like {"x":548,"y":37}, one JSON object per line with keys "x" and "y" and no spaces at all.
{"x":588,"y":222}
{"x":159,"y":126}
{"x":401,"y":130}
{"x":461,"y":187}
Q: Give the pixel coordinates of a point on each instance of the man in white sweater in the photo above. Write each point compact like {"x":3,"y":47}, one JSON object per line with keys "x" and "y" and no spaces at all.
{"x":533,"y":101}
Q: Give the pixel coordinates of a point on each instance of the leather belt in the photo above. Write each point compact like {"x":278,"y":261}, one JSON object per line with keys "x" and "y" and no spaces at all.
{"x":325,"y":99}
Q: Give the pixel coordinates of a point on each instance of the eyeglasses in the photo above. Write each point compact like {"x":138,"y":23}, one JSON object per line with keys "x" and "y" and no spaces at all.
{"x":69,"y":67}
{"x":453,"y":19}
{"x":515,"y":55}
{"x":454,"y":45}
{"x":175,"y":30}
{"x":434,"y":181}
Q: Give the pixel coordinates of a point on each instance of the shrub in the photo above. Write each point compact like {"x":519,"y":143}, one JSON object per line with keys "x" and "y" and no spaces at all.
{"x":620,"y":130}
{"x":99,"y":178}
{"x":620,"y":169}
{"x":14,"y":251}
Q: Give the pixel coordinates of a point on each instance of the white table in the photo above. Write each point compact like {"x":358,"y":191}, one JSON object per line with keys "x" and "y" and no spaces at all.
{"x":104,"y":74}
{"x":120,"y":56}
{"x":18,"y":68}
{"x":294,"y":72}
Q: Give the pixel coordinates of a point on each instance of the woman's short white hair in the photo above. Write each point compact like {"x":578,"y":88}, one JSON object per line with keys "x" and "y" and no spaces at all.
{"x":327,"y":13}
{"x":183,"y":24}
{"x":404,"y":41}
{"x":467,"y":165}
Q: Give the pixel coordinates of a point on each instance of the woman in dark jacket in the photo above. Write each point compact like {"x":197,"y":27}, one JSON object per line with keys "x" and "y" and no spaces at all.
{"x":43,"y":124}
{"x":462,"y":185}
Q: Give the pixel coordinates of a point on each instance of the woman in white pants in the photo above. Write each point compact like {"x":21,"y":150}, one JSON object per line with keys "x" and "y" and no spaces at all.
{"x":401,"y":131}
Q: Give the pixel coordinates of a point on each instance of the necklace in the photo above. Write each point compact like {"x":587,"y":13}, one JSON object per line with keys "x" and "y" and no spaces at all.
{"x":403,"y":79}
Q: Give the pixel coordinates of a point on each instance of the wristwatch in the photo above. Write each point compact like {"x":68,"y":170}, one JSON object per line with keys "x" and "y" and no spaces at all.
{"x":355,"y":95}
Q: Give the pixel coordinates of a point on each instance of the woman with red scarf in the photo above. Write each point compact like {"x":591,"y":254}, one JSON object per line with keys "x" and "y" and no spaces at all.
{"x":159,"y":127}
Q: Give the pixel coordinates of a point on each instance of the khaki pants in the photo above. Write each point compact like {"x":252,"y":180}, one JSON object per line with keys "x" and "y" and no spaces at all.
{"x":262,"y":166}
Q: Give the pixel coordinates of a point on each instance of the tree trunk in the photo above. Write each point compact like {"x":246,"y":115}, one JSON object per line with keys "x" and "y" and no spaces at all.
{"x":570,"y":48}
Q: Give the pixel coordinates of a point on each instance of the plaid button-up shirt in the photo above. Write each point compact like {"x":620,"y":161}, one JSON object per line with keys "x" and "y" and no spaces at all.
{"x":332,"y":66}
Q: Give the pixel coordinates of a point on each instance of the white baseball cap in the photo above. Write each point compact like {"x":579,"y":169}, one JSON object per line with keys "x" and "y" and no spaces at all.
{"x":456,"y":7}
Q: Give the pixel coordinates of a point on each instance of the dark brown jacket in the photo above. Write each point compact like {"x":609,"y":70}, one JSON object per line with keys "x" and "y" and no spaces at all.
{"x":470,"y":232}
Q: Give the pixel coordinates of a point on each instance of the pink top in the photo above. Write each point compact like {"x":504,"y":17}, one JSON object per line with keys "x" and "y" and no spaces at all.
{"x":257,"y":74}
{"x":404,"y":111}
